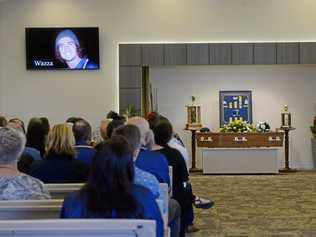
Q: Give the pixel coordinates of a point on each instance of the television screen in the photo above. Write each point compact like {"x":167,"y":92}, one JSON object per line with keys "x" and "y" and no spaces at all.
{"x":62,"y":48}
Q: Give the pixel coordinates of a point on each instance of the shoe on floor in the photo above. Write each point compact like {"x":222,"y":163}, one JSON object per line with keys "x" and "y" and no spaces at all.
{"x":203,"y":203}
{"x":191,"y":229}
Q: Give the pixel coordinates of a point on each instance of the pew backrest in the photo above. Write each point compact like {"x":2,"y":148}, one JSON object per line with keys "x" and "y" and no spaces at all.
{"x":60,"y":191}
{"x":78,"y":227}
{"x":30,"y":209}
{"x":49,"y":209}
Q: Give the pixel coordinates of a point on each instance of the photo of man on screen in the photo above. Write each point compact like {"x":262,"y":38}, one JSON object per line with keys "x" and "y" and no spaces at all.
{"x":69,"y":52}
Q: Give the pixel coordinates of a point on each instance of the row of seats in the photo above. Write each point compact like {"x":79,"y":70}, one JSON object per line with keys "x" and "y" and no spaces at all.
{"x":79,"y":227}
{"x":46,"y":209}
{"x":35,"y":217}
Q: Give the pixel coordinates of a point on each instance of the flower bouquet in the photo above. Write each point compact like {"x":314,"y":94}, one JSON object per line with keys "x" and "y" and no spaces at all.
{"x":238,"y":126}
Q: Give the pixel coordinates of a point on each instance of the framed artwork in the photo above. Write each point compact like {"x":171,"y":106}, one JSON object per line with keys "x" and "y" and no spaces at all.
{"x":235,"y":105}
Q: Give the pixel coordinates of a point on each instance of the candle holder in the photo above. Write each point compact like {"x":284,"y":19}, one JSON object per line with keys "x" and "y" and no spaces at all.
{"x":286,"y":126}
{"x":193,"y":124}
{"x":193,"y":116}
{"x":286,"y":118}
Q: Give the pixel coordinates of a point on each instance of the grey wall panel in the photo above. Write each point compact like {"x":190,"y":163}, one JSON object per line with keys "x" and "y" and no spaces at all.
{"x":265,"y":53}
{"x":220,"y":54}
{"x":197,"y":54}
{"x":130,"y":97}
{"x":242,"y":53}
{"x":152,"y":54}
{"x":175,"y":54}
{"x":130,"y":54}
{"x":308,"y":53}
{"x":130,"y":77}
{"x":287,"y":53}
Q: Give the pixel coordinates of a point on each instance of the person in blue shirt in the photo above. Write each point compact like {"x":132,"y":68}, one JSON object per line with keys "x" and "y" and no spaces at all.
{"x":82,"y":133}
{"x":142,"y":177}
{"x":69,"y":52}
{"x":110,"y":191}
{"x":133,"y":136}
{"x":150,"y":161}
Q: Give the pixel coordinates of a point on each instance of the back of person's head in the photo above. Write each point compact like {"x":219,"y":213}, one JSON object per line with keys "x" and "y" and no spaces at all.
{"x":73,"y":119}
{"x":113,"y":125}
{"x":45,"y":124}
{"x":12,"y":144}
{"x":115,"y":116}
{"x":153,"y":118}
{"x":145,"y":131}
{"x":131,"y":133}
{"x":61,"y":141}
{"x":103,"y":128}
{"x":109,"y":187}
{"x":162,"y":132}
{"x":3,"y":121}
{"x":82,"y":131}
{"x":17,"y":124}
{"x":36,"y":135}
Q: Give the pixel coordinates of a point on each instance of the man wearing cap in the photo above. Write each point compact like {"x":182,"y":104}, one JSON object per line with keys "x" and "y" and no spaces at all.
{"x":68,"y":51}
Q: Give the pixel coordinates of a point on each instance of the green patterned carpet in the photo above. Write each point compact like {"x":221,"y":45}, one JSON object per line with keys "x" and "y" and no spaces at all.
{"x":257,"y":205}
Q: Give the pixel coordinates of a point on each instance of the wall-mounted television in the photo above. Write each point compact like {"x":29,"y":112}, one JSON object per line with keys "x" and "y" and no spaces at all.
{"x":70,"y":48}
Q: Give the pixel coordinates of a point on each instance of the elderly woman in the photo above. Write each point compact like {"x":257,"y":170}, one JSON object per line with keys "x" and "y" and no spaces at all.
{"x":13,"y":184}
{"x":59,"y":164}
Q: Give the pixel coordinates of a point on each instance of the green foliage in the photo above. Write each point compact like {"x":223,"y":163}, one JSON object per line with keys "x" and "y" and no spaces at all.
{"x":238,"y":126}
{"x":130,"y":111}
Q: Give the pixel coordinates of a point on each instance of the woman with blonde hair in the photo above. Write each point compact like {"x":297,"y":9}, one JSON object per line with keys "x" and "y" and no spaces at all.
{"x":59,"y":164}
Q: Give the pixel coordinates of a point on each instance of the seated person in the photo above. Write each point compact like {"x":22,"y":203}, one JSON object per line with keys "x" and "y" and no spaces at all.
{"x":3,"y":121}
{"x":110,"y":191}
{"x":13,"y":184}
{"x":29,"y":154}
{"x":36,"y":136}
{"x":82,"y":132}
{"x":182,"y":191}
{"x":59,"y":164}
{"x":101,"y":132}
{"x":115,"y":123}
{"x":175,"y":141}
{"x":72,"y":119}
{"x":180,"y":173}
{"x":150,"y":161}
{"x":132,"y":135}
{"x":17,"y":123}
{"x":103,"y":128}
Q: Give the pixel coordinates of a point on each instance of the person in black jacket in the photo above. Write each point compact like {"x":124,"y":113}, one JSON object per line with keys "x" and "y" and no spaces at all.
{"x":182,"y":190}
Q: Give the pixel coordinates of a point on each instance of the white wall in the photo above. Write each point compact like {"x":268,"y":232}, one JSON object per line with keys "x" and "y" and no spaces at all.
{"x":272,"y":87}
{"x":1,"y":57}
{"x":91,"y":94}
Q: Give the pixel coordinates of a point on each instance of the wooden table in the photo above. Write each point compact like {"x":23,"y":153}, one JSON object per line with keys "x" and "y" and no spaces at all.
{"x":239,"y":152}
